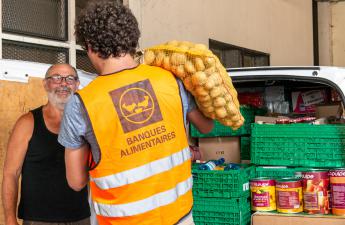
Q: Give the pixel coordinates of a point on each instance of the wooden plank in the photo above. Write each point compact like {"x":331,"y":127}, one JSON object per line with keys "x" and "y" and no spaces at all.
{"x":16,"y":99}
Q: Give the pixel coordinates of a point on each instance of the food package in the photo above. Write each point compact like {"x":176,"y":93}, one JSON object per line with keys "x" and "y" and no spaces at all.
{"x":203,"y":76}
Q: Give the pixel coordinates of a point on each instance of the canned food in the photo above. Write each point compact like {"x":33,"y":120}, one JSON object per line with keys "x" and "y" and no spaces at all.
{"x":282,"y":121}
{"x":262,"y":191}
{"x":315,"y":184}
{"x":289,"y":195}
{"x":337,"y":180}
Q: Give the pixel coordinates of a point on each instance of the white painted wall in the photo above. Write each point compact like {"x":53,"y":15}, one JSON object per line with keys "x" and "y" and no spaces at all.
{"x":282,"y":28}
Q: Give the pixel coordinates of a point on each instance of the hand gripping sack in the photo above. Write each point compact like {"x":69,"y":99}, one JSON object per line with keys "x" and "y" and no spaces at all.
{"x":203,"y":76}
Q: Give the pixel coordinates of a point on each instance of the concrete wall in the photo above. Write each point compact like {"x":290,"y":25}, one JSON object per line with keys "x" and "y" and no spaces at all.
{"x":325,"y":37}
{"x":332,"y":33}
{"x":338,"y":33}
{"x":282,"y":28}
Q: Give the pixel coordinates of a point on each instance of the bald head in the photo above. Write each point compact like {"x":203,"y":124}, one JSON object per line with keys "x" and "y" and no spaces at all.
{"x":60,"y":66}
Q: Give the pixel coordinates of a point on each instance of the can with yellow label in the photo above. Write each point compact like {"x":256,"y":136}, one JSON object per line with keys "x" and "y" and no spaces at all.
{"x":262,"y":191}
{"x":289,"y":195}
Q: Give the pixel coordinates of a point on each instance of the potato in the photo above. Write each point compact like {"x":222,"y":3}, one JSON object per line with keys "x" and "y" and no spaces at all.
{"x":200,"y":46}
{"x":231,"y":108}
{"x":212,"y":115}
{"x":149,"y":57}
{"x":215,"y":92}
{"x":209,"y":109}
{"x":199,"y":64}
{"x":219,"y":101}
{"x":228,"y":123}
{"x":206,"y":104}
{"x":199,"y":78}
{"x":187,"y":81}
{"x":189,"y":67}
{"x":177,"y":58}
{"x":228,"y":97}
{"x":220,"y":112}
{"x":173,"y":43}
{"x":173,"y":69}
{"x":183,"y":48}
{"x":210,"y":83}
{"x":210,"y":70}
{"x":210,"y":62}
{"x":204,"y":98}
{"x":180,"y":73}
{"x":216,"y":78}
{"x":166,"y":63}
{"x":159,"y":58}
{"x":186,"y":43}
{"x":200,"y":91}
{"x":235,"y":118}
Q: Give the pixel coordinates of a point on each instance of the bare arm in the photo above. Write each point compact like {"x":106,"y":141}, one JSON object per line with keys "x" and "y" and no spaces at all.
{"x":16,"y":151}
{"x":76,"y":167}
{"x":202,"y":123}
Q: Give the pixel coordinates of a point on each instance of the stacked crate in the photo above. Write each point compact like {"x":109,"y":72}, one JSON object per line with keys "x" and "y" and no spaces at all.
{"x":296,"y":146}
{"x":222,"y":197}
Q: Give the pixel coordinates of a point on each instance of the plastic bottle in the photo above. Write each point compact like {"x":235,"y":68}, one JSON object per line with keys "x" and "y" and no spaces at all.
{"x":232,"y":166}
{"x":211,"y":165}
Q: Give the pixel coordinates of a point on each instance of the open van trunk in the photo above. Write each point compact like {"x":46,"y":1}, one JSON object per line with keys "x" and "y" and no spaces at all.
{"x":293,"y":123}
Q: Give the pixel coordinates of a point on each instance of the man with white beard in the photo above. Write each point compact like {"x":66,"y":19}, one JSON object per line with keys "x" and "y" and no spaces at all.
{"x":34,"y":153}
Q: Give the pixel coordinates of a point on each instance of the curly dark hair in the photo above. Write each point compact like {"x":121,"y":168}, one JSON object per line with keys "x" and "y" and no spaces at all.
{"x":108,"y":28}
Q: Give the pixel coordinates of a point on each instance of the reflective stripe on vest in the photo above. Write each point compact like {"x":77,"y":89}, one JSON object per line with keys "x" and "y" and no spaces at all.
{"x":143,"y":172}
{"x":145,"y":205}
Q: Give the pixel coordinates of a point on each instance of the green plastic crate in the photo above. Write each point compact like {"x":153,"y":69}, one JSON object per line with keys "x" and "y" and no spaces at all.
{"x":298,"y":130}
{"x":277,"y":172}
{"x":234,"y":211}
{"x":245,"y":148}
{"x":222,"y":184}
{"x":304,"y":145}
{"x":219,"y":130}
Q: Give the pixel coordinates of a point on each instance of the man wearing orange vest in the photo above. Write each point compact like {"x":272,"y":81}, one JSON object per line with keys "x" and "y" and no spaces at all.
{"x":132,"y":119}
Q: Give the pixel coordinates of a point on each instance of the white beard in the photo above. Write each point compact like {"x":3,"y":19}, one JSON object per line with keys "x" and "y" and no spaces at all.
{"x":56,"y":101}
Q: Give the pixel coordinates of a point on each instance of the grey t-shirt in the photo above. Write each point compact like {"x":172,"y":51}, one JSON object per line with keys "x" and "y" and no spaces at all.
{"x":76,"y":130}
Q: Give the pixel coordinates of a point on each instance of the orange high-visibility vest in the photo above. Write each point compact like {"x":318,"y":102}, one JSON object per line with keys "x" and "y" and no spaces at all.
{"x":144,"y":173}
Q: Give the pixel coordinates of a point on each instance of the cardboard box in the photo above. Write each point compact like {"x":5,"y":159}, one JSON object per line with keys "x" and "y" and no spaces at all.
{"x":306,"y":101}
{"x":220,"y":147}
{"x":265,"y":119}
{"x":266,"y":218}
{"x":328,"y":110}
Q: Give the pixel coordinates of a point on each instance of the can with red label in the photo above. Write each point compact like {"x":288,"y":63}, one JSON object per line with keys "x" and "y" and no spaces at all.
{"x":315,"y":184}
{"x":262,"y":191}
{"x":337,"y":180}
{"x":289,"y":195}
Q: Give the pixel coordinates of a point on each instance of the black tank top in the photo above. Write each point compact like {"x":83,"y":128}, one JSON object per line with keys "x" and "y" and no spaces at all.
{"x":45,"y":194}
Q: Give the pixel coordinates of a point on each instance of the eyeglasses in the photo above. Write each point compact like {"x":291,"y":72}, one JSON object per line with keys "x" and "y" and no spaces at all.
{"x":57,"y":79}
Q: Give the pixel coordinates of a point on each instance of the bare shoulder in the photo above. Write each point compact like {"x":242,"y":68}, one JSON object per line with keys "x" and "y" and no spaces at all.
{"x":24,"y":125}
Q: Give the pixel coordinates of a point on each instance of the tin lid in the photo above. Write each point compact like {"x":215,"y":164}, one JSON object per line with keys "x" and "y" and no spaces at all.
{"x":310,"y":170}
{"x":261,"y":179}
{"x":336,"y":169}
{"x":288,"y":179}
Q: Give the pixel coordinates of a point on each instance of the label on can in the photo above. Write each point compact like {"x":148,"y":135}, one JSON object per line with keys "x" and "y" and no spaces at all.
{"x":288,"y":200}
{"x":315,"y":191}
{"x":311,"y":201}
{"x":289,"y":196}
{"x":261,"y":200}
{"x":262,"y":195}
{"x":338,"y":196}
{"x":337,"y":180}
